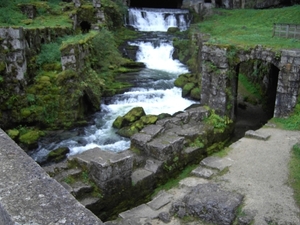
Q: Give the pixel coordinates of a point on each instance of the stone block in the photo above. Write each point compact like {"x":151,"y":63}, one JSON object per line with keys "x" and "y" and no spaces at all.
{"x":141,"y":211}
{"x":165,"y":146}
{"x":110,"y":171}
{"x":139,"y":175}
{"x":161,"y":200}
{"x":216,"y":163}
{"x":153,"y":130}
{"x":203,"y":172}
{"x":257,"y":135}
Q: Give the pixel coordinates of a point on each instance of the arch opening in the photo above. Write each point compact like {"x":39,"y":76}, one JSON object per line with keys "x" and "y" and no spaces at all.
{"x":256,"y":87}
{"x":156,"y":4}
{"x":85,"y":26}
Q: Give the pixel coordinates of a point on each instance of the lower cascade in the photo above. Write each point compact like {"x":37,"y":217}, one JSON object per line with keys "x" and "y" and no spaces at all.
{"x":154,"y":90}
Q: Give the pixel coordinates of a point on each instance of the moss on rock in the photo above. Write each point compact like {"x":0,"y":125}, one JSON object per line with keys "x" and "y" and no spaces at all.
{"x":134,"y":114}
{"x":187,"y":89}
{"x":58,"y":155}
{"x":30,"y":138}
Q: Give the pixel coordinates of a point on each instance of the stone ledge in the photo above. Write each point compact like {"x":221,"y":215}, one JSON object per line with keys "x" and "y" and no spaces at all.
{"x":29,"y":196}
{"x":257,"y":135}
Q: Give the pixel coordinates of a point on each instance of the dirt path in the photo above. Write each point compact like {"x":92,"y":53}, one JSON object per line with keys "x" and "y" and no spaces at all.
{"x":260,"y":171}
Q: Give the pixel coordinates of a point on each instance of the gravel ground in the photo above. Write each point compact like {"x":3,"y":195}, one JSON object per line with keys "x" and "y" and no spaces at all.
{"x":260,"y":172}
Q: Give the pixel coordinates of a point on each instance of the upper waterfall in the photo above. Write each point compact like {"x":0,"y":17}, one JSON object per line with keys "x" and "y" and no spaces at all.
{"x":150,"y":19}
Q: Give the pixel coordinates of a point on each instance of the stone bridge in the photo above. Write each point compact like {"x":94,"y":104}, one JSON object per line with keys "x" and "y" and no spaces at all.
{"x":220,"y":68}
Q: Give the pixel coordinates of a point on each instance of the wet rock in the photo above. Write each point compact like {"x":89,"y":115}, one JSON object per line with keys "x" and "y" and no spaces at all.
{"x":173,"y":30}
{"x":134,"y":114}
{"x":58,"y":155}
{"x":212,"y":204}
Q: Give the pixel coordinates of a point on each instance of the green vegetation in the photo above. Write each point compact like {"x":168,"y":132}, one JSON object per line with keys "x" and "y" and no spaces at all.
{"x":250,"y":27}
{"x":252,"y":91}
{"x":175,"y":181}
{"x":294,"y":176}
{"x":290,"y":123}
{"x":218,"y":122}
{"x":48,"y":13}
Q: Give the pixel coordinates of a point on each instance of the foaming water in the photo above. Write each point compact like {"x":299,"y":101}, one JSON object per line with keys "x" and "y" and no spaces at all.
{"x":148,"y":19}
{"x":155,"y":93}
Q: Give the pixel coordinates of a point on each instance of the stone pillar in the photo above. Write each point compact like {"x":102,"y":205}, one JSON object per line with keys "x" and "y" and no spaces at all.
{"x":13,"y":44}
{"x":288,"y":83}
{"x":216,"y":89}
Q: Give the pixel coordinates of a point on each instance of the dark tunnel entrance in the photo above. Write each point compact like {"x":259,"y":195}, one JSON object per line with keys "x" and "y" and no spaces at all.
{"x":256,"y":87}
{"x":171,"y":4}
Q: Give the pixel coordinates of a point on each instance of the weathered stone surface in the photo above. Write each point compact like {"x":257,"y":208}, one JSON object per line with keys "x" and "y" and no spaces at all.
{"x":161,"y":200}
{"x":202,"y":172}
{"x":46,"y":201}
{"x":216,"y":70}
{"x":109,"y":170}
{"x":165,"y":217}
{"x":212,"y":204}
{"x":165,"y":146}
{"x":153,"y":165}
{"x":216,"y":163}
{"x":256,"y":135}
{"x":139,"y":175}
{"x":190,"y":182}
{"x":139,"y":212}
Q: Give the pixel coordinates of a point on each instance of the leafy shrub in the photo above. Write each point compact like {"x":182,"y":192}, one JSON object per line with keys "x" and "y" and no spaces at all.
{"x":50,"y":53}
{"x":105,"y":50}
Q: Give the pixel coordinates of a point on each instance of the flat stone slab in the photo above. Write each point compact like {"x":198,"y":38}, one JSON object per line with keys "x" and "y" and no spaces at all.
{"x":190,"y":182}
{"x":139,"y":175}
{"x":203,"y":172}
{"x":217,"y":163}
{"x":141,"y":211}
{"x":257,"y":135}
{"x":160,"y":201}
{"x":101,"y":157}
{"x":153,"y":165}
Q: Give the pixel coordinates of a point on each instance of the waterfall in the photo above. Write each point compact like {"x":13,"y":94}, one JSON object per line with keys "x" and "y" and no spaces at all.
{"x":155,"y":91}
{"x":148,"y":19}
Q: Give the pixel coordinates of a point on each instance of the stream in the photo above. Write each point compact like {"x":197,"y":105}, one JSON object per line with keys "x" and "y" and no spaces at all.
{"x":155,"y":90}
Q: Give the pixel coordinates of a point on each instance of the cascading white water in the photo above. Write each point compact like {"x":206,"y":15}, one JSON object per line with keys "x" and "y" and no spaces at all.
{"x":156,"y":94}
{"x":148,"y":19}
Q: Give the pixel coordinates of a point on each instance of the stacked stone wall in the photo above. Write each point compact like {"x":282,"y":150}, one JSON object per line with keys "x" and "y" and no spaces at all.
{"x":219,"y":74}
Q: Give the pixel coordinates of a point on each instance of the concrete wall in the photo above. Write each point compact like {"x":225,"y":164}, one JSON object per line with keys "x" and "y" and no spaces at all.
{"x":29,"y":196}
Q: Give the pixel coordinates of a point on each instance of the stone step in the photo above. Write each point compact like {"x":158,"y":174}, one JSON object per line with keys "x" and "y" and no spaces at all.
{"x":140,"y":174}
{"x":191,"y":182}
{"x":70,"y":172}
{"x":161,"y":200}
{"x":203,"y":172}
{"x":80,"y":189}
{"x":141,"y":211}
{"x":216,"y":163}
{"x":88,"y":201}
{"x":256,"y":135}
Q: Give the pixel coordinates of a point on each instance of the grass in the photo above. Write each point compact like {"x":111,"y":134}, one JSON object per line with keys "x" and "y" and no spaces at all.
{"x":248,"y":89}
{"x":175,"y":181}
{"x":290,"y":123}
{"x":250,"y":27}
{"x":294,"y":176}
{"x":49,"y":14}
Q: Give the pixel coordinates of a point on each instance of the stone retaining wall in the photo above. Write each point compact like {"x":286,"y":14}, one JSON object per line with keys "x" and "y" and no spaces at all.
{"x":29,"y":196}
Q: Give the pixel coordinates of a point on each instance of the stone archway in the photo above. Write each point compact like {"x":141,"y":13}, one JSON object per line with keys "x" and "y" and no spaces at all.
{"x":219,"y":83}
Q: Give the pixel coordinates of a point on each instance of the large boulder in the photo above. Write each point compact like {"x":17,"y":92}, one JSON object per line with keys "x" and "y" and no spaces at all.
{"x":209,"y":202}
